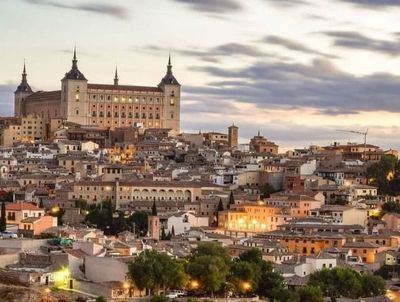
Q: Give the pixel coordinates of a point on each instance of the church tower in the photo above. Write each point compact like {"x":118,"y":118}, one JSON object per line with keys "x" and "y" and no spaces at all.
{"x":153,"y":223}
{"x":23,"y":90}
{"x":233,"y":136}
{"x":74,"y":102}
{"x":172,"y":100}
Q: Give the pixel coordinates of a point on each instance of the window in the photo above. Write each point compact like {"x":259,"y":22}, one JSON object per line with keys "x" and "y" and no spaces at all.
{"x":77,"y":97}
{"x":172,"y":102}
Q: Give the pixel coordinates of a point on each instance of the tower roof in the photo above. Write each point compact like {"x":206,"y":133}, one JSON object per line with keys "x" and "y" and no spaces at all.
{"x":74,"y":73}
{"x":116,"y":76}
{"x":154,"y":208}
{"x":24,"y":86}
{"x":169,"y":78}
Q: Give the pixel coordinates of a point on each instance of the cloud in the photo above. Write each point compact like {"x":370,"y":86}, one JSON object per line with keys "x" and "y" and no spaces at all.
{"x":374,"y":3}
{"x":112,"y":10}
{"x":293,"y":45}
{"x":356,"y":40}
{"x":7,"y":99}
{"x":287,"y":3}
{"x":214,"y":54}
{"x":213,"y":6}
{"x":319,"y":86}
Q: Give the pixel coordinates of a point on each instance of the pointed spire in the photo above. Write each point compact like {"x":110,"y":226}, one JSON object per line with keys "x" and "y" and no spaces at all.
{"x":116,"y":75}
{"x":258,"y":134}
{"x":24,"y":86}
{"x":169,"y":66}
{"x":154,"y":208}
{"x":74,"y":60}
{"x":74,"y":73}
{"x":24,"y":71}
{"x":169,"y":78}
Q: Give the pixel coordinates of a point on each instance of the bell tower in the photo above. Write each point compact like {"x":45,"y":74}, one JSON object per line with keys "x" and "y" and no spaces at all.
{"x":172,"y":100}
{"x":74,"y":102}
{"x":23,"y":90}
{"x":153,"y":223}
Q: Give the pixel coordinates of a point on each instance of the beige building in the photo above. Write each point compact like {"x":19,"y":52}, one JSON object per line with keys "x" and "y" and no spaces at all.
{"x":26,"y":129}
{"x":104,"y":105}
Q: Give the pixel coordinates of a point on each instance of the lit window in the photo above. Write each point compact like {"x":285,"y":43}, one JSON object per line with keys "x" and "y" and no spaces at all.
{"x":77,"y":97}
{"x":172,"y":102}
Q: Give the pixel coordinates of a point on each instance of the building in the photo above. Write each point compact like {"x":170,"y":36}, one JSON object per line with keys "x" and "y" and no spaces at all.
{"x":104,"y":105}
{"x":233,"y":136}
{"x":260,"y":144}
{"x":24,"y":129}
{"x":35,"y":226}
{"x":16,"y":212}
{"x":154,"y":223}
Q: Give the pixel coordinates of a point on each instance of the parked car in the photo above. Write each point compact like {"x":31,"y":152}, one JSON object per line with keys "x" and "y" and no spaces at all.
{"x":8,"y":235}
{"x":172,"y":295}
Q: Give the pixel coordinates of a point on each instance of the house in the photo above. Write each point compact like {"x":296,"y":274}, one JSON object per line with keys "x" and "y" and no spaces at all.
{"x":181,"y":222}
{"x":34,"y":226}
{"x":16,"y":212}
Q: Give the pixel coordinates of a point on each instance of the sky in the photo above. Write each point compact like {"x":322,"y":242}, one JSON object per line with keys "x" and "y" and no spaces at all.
{"x":297,"y":70}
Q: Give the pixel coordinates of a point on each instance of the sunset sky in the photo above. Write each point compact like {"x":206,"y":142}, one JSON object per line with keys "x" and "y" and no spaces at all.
{"x":298,"y":70}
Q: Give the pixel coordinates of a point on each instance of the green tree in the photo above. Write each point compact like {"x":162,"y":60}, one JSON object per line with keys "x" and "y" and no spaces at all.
{"x":245,"y":276}
{"x":288,"y":295}
{"x":372,"y":285}
{"x":155,"y":271}
{"x":138,"y":222}
{"x":271,"y":283}
{"x":391,"y":207}
{"x":211,"y":272}
{"x":338,"y":282}
{"x":266,"y":190}
{"x":310,"y":294}
{"x":253,"y":255}
{"x":41,"y":204}
{"x":385,"y":175}
{"x":101,"y":299}
{"x":160,"y":298}
{"x":3,"y":219}
{"x":231,"y":200}
{"x":212,"y":249}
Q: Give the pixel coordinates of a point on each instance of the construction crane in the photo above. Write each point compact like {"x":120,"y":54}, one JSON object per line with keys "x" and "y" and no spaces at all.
{"x":365,"y":134}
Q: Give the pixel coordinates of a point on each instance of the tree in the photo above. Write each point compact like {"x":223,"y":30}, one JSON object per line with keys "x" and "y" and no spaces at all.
{"x":253,"y":255}
{"x":373,"y":285}
{"x":212,"y":249}
{"x":211,"y":272}
{"x":271,"y":283}
{"x":3,"y":219}
{"x":173,"y":231}
{"x":138,"y":222}
{"x":385,"y":175}
{"x":338,"y":282}
{"x":245,"y":276}
{"x":220,"y":208}
{"x":163,"y":234}
{"x":231,"y":201}
{"x":310,"y":294}
{"x":155,"y":271}
{"x":391,"y":207}
{"x":266,"y":190}
{"x":288,"y":295}
{"x":101,"y":299}
{"x":41,"y":204}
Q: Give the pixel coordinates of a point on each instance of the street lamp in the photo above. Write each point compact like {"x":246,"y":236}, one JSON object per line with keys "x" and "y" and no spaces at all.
{"x":194,"y":284}
{"x":246,"y":286}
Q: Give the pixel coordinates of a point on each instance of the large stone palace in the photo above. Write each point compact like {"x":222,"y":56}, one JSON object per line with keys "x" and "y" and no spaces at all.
{"x":103,"y":105}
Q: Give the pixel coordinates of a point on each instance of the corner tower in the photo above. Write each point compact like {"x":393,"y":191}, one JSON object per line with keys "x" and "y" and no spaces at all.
{"x":23,"y":90}
{"x":74,"y":102}
{"x":172,"y":100}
